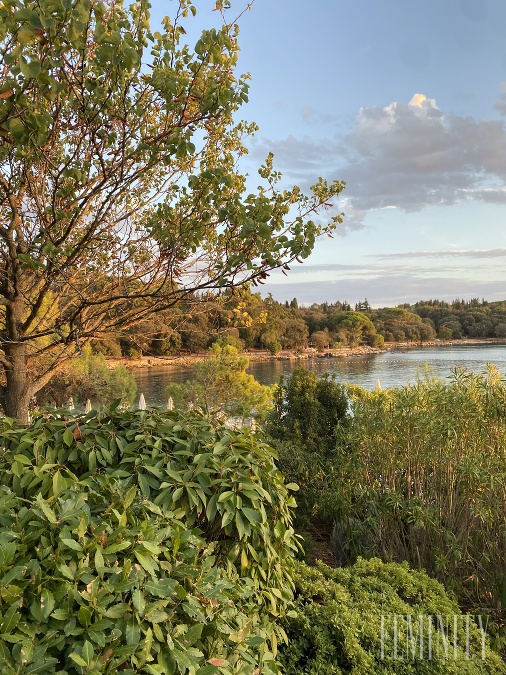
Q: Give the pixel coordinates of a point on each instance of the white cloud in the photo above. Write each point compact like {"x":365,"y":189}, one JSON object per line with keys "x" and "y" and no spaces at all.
{"x":406,"y":156}
{"x":467,"y":253}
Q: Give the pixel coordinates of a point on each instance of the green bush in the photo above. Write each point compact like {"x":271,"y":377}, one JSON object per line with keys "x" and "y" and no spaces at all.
{"x":88,"y":377}
{"x":143,"y":542}
{"x":222,"y":388}
{"x":310,"y":414}
{"x":338,"y":626}
{"x":309,"y":409}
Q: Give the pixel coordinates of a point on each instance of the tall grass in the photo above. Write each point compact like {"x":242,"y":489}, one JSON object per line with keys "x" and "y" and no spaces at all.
{"x":422,"y":478}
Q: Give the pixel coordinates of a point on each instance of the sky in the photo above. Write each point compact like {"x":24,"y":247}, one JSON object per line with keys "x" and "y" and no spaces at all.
{"x":403,"y":100}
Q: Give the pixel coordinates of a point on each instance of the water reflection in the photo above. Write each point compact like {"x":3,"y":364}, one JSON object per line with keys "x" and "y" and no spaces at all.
{"x":391,"y":368}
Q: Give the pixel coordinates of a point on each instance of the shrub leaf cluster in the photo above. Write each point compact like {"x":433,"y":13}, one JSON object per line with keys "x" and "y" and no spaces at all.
{"x":142,"y":542}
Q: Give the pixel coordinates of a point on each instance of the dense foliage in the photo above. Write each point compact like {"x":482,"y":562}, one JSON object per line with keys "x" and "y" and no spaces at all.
{"x":263,"y":323}
{"x":424,"y":480}
{"x":339,"y":628}
{"x":221,"y":387}
{"x":120,"y":186}
{"x":88,"y":377}
{"x":308,"y":410}
{"x":309,"y":416}
{"x":417,"y":474}
{"x":141,"y":542}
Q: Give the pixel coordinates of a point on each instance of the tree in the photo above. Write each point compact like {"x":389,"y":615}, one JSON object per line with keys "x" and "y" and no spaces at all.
{"x":320,"y":340}
{"x":309,"y":410}
{"x":119,"y":188}
{"x":357,"y":327}
{"x":221,"y":387}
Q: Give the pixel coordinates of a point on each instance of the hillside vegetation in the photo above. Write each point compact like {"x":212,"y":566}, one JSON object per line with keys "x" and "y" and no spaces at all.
{"x":248,"y":321}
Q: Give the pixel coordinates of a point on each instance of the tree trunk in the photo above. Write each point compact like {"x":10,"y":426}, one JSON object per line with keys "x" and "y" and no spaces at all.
{"x":17,"y":391}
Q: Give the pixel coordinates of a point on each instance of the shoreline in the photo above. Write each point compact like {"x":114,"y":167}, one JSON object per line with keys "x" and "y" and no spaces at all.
{"x":186,"y":360}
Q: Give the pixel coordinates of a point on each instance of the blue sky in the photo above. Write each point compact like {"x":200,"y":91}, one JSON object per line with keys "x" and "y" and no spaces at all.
{"x":406,"y":102}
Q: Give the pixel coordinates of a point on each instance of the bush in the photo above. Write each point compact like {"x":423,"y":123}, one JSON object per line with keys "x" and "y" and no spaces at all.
{"x":142,"y":542}
{"x":308,"y":410}
{"x":338,"y":625}
{"x":88,"y":377}
{"x":309,"y":415}
{"x":221,"y":387}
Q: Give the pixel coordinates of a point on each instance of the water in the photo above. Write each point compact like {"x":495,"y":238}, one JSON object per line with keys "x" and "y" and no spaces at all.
{"x":392,"y":369}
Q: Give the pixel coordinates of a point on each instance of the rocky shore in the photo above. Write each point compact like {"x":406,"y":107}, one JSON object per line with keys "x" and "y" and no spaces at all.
{"x":253,"y":355}
{"x":186,"y":360}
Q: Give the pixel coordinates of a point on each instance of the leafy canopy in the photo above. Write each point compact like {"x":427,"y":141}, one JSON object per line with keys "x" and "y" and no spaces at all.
{"x":119,"y":187}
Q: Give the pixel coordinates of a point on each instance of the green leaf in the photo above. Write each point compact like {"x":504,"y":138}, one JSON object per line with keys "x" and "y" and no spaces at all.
{"x":164,"y":588}
{"x":58,"y":483}
{"x":144,"y":485}
{"x":11,"y":618}
{"x":78,"y":659}
{"x":47,"y":603}
{"x":130,"y":495}
{"x":252,"y":515}
{"x":25,"y":35}
{"x":46,"y":510}
{"x":228,"y":494}
{"x":138,"y":601}
{"x":255,"y":641}
{"x":68,"y":437}
{"x":66,"y":571}
{"x":23,"y":459}
{"x":132,"y":631}
{"x":99,"y":560}
{"x":239,"y":524}
{"x":88,"y":652}
{"x":114,"y":548}
{"x":29,"y":69}
{"x":60,"y":614}
{"x":145,"y":563}
{"x":72,"y":543}
{"x":117,"y":611}
{"x":84,"y":616}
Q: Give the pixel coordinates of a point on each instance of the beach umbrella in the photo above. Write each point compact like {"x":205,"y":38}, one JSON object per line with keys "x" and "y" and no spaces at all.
{"x":88,"y":406}
{"x":142,"y":402}
{"x":170,"y":403}
{"x":378,"y":384}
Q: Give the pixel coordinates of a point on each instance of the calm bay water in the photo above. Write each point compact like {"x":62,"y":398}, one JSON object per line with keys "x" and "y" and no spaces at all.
{"x":392,"y":369}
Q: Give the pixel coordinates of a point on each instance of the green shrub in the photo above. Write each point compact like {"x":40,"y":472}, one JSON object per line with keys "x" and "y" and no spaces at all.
{"x":221,"y":387}
{"x":338,"y":625}
{"x":310,"y":413}
{"x":142,"y":542}
{"x":88,"y":377}
{"x":309,"y":409}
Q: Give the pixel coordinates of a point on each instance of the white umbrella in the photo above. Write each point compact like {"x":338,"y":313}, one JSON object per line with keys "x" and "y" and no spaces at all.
{"x":88,"y":406}
{"x":170,"y":403}
{"x":142,"y":402}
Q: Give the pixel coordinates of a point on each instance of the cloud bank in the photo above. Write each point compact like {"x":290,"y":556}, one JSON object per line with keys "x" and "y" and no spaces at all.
{"x":406,"y":156}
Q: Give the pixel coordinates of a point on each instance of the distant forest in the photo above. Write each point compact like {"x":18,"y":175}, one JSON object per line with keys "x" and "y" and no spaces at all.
{"x":248,"y":321}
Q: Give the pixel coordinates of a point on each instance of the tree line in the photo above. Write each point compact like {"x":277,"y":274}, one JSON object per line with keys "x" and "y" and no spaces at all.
{"x":248,"y":321}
